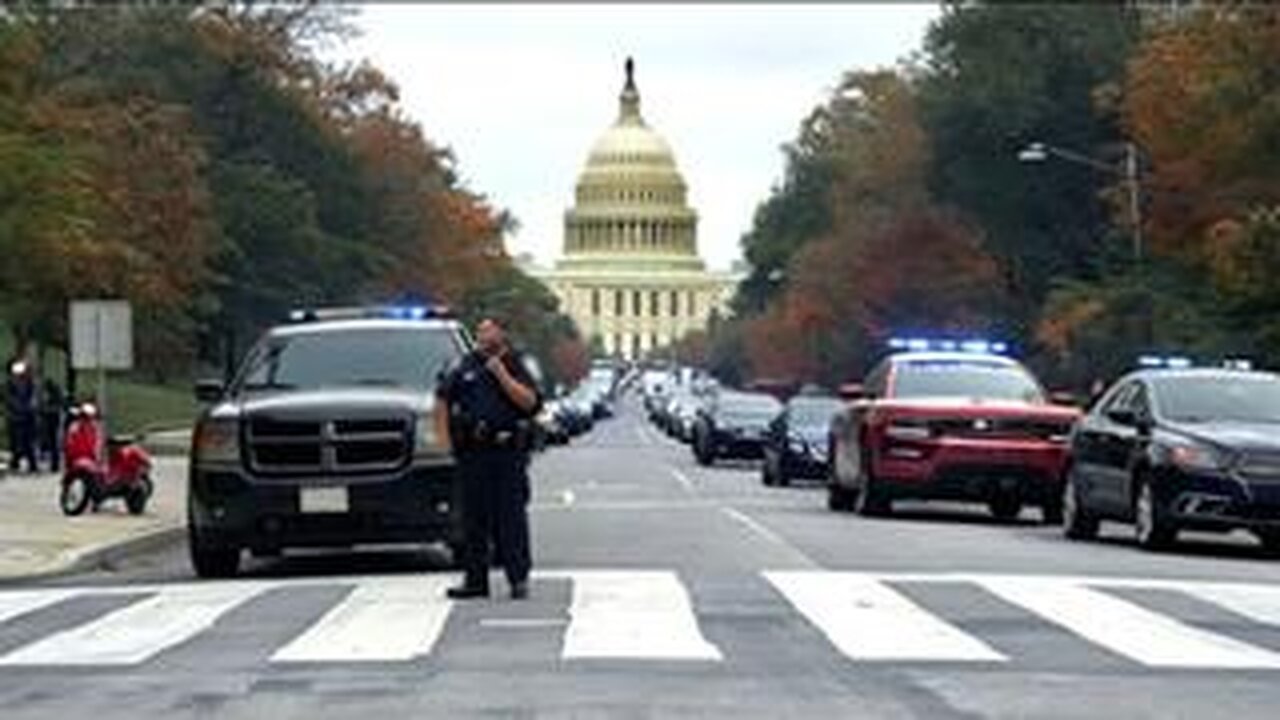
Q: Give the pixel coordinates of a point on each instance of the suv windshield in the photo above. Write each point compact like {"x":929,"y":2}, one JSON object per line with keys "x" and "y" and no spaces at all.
{"x":377,"y":356}
{"x":1240,"y":398}
{"x":936,"y":378}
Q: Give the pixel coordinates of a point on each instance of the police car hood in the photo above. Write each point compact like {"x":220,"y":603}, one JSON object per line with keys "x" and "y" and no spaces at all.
{"x":1232,"y":434}
{"x":344,"y":402}
{"x":976,"y":407}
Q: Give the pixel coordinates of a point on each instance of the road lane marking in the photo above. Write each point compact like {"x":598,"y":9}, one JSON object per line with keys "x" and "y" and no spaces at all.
{"x":522,"y":623}
{"x":767,"y":534}
{"x":139,"y":631}
{"x":1260,"y":604}
{"x":20,"y":602}
{"x":868,"y":621}
{"x":633,"y":615}
{"x":684,"y":480}
{"x":1128,"y":629}
{"x":382,"y":622}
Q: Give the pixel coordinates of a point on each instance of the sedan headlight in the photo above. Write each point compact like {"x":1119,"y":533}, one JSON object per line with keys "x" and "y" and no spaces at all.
{"x":798,"y":446}
{"x":217,"y":442}
{"x":1196,"y":457}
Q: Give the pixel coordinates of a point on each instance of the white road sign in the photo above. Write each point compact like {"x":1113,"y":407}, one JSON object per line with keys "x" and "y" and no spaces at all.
{"x":101,"y":335}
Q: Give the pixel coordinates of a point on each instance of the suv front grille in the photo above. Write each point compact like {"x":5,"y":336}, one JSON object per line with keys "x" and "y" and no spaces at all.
{"x":341,"y":446}
{"x":1005,"y":427}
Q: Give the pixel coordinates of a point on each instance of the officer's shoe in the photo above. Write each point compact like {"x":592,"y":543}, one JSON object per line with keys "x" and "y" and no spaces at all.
{"x":520,"y":591}
{"x":467,"y":592}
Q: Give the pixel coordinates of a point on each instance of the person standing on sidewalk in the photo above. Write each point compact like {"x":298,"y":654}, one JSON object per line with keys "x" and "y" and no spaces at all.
{"x":20,"y":409}
{"x":491,"y":399}
{"x":52,"y":400}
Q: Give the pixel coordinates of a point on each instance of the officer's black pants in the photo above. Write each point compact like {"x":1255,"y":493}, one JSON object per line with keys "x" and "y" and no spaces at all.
{"x":495,"y":497}
{"x":22,"y":441}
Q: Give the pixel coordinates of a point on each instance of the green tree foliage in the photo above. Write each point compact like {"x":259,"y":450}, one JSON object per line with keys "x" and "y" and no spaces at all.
{"x":202,"y":162}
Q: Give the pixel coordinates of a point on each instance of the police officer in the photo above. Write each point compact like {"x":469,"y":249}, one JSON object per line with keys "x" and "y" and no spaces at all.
{"x":491,"y":399}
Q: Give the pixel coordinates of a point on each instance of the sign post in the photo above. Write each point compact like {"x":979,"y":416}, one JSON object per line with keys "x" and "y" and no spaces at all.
{"x":102,"y":340}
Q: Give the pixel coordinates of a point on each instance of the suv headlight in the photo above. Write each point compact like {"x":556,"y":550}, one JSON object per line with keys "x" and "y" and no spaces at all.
{"x":426,"y":441}
{"x":908,"y":430}
{"x":217,"y":442}
{"x":1196,"y":457}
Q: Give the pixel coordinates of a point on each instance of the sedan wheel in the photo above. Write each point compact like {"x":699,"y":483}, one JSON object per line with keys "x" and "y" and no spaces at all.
{"x":1151,"y":528}
{"x":1077,"y":522}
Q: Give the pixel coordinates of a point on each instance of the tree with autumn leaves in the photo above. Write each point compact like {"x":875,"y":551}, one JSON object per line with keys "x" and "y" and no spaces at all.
{"x":904,"y":207}
{"x":203,"y":163}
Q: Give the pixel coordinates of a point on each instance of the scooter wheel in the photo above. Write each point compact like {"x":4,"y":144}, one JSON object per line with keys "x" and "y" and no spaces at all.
{"x":77,"y":493}
{"x":137,"y":498}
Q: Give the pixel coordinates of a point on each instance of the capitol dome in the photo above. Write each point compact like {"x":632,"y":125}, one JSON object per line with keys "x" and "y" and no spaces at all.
{"x":630,"y":199}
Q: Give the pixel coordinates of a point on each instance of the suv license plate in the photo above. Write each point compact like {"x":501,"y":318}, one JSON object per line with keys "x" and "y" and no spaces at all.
{"x":323,"y":500}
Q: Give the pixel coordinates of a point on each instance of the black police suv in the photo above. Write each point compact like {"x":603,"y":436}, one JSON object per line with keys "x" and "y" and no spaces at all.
{"x":797,"y":441}
{"x":325,"y":437}
{"x":733,"y":425}
{"x":1174,"y":449}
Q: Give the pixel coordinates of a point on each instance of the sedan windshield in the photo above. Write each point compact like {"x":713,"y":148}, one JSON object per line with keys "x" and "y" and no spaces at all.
{"x":750,"y":408}
{"x":987,"y":381}
{"x":1230,"y":397}
{"x":814,"y":412}
{"x":391,"y":357}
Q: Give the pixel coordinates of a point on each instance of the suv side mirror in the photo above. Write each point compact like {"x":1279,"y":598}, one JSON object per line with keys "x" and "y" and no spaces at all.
{"x":1065,"y":398}
{"x":853,"y":391}
{"x":209,"y":390}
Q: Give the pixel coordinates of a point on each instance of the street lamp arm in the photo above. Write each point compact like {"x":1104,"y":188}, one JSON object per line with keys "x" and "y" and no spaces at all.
{"x":1081,"y":159}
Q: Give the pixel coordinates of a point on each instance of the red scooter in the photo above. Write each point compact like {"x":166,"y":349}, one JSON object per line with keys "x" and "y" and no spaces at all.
{"x":98,"y":468}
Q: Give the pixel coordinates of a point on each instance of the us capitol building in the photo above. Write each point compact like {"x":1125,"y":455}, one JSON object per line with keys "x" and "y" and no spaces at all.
{"x":630,"y":275}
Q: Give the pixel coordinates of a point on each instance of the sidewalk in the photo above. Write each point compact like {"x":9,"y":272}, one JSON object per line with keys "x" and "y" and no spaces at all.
{"x":37,"y":540}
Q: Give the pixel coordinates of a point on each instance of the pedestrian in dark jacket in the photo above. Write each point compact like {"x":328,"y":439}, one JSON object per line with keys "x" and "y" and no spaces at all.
{"x":20,"y":408}
{"x":52,"y":402}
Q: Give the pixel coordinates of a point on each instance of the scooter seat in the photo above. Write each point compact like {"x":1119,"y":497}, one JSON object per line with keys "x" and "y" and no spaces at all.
{"x":117,"y":441}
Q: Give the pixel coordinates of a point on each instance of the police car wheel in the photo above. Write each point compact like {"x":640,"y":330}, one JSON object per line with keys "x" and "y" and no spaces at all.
{"x":1151,"y":526}
{"x":1270,"y":540}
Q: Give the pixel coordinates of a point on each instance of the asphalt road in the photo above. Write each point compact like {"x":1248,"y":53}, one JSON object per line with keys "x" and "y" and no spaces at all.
{"x":666,"y":589}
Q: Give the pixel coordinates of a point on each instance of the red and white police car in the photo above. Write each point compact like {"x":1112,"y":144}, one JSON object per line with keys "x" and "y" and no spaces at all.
{"x":950,"y":420}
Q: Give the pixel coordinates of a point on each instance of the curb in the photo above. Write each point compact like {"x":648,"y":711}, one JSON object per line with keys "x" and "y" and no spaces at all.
{"x":101,"y":556}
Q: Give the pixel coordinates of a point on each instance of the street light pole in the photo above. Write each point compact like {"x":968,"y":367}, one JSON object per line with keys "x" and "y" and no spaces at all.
{"x":1135,"y":198}
{"x":1038,"y":152}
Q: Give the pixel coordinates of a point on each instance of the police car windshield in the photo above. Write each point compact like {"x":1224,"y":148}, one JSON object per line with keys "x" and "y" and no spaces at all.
{"x":394,"y":357}
{"x":1224,"y":397}
{"x":965,"y":379}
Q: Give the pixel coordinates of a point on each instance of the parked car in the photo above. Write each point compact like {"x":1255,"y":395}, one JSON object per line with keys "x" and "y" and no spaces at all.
{"x":733,"y":425}
{"x":1170,"y":449}
{"x":798,"y":440}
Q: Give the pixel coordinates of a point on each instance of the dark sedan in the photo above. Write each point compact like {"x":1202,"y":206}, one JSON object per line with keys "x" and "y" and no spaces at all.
{"x":798,"y":440}
{"x":1168,"y":450}
{"x":733,"y":425}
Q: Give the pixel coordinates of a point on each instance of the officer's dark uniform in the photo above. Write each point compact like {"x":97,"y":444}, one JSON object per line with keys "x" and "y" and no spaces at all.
{"x":20,"y":406}
{"x":491,"y":438}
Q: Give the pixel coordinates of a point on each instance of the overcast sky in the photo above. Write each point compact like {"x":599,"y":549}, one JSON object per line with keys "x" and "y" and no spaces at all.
{"x":521,"y":91}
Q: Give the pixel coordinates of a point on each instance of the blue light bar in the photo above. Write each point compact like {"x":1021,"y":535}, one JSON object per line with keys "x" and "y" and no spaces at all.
{"x":973,"y":346}
{"x":1176,"y":362}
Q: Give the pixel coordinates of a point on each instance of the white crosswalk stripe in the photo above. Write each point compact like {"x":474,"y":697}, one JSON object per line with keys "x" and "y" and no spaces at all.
{"x":866,"y":620}
{"x":1123,"y":627}
{"x":633,"y":615}
{"x":396,"y":620}
{"x":651,"y":616}
{"x":138,"y":631}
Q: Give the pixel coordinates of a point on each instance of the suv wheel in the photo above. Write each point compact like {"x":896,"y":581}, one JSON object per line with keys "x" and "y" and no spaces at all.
{"x":1151,"y":524}
{"x":1005,"y":507}
{"x":872,"y":501}
{"x":839,"y":499}
{"x":209,"y":559}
